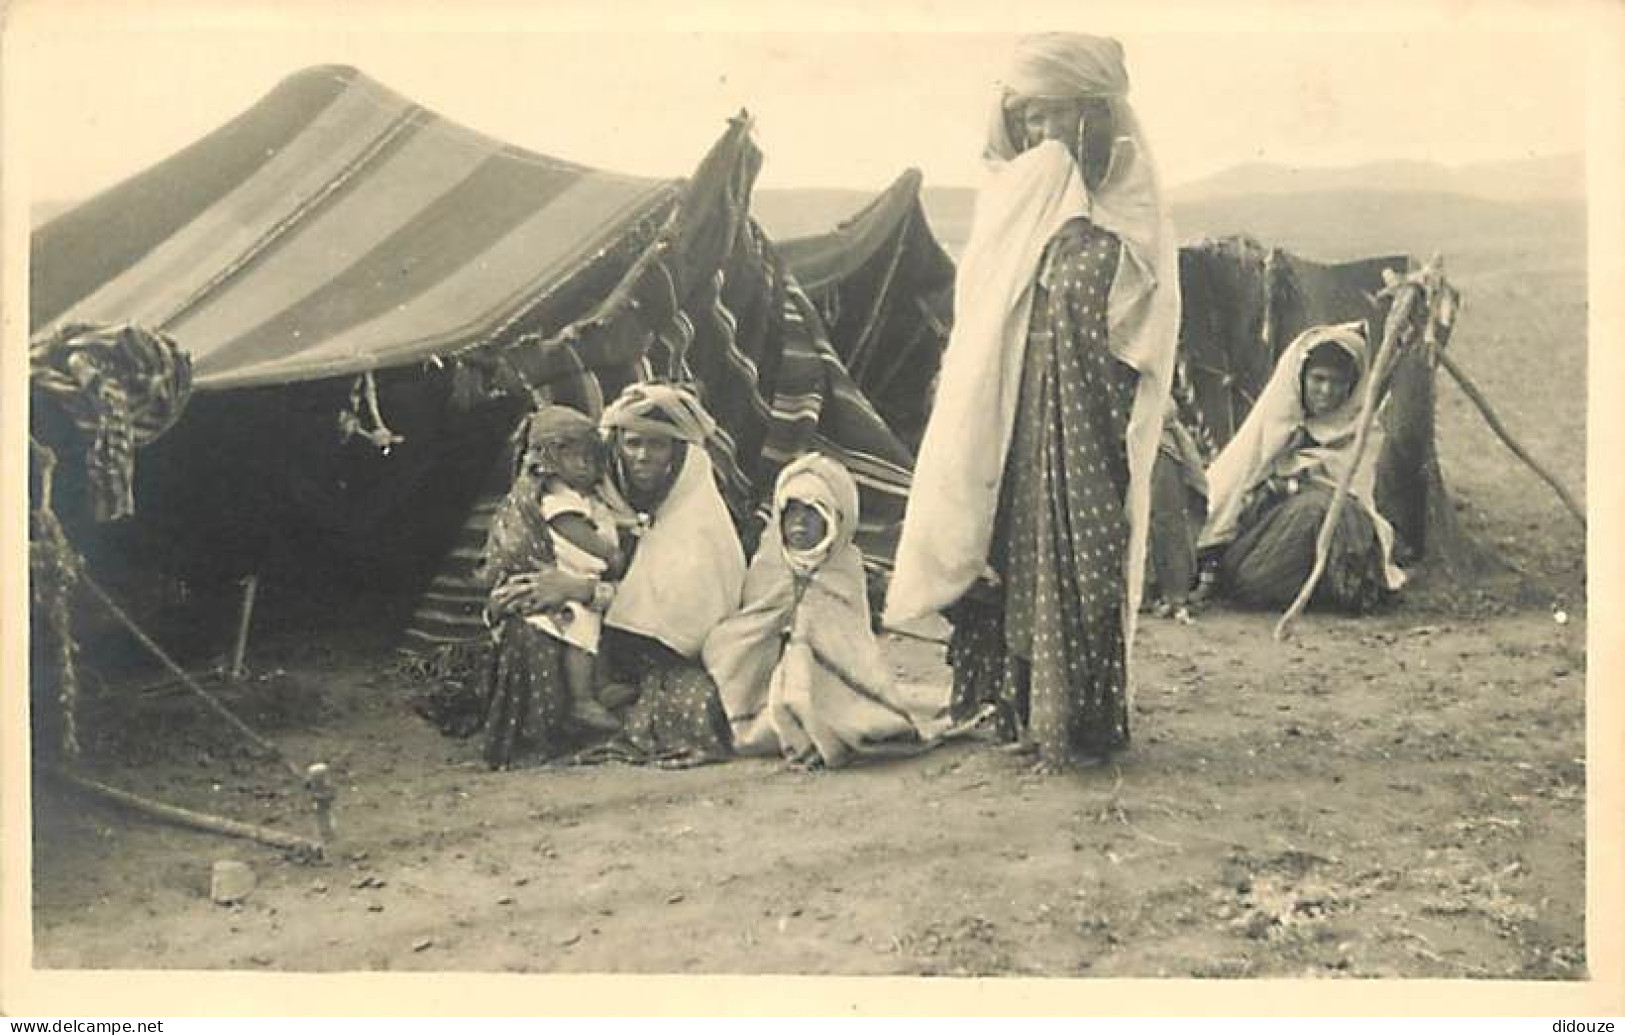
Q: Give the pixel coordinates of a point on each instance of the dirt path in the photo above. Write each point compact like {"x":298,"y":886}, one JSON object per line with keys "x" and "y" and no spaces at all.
{"x":1400,"y":796}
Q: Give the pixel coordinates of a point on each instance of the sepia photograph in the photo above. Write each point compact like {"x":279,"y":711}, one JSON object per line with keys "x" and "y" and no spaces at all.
{"x":512,"y":497}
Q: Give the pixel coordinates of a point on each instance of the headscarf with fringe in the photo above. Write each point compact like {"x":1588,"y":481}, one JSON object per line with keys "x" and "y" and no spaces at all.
{"x":660,"y":409}
{"x":549,"y":428}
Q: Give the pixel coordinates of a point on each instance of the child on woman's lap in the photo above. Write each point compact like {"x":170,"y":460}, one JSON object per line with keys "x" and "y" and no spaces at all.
{"x":567,"y":460}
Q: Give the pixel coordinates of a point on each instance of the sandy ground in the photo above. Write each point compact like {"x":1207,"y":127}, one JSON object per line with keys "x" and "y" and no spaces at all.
{"x":1398,"y":796}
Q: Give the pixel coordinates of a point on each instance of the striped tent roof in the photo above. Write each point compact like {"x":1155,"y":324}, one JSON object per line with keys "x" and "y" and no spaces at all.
{"x":335,"y":227}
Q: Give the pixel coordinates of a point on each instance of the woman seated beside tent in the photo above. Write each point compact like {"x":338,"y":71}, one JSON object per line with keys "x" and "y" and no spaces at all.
{"x":1271,"y":487}
{"x":798,"y":667}
{"x":683,"y":576}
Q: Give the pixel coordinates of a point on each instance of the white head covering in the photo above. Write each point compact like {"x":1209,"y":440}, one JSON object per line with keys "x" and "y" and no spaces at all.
{"x":686,"y":574}
{"x":1268,"y":442}
{"x":1030,"y":195}
{"x":797,"y":668}
{"x":824,"y":485}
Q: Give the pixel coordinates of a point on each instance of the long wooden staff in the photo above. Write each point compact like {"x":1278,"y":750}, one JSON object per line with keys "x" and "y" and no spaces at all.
{"x":1405,"y":292}
{"x":191,"y":818}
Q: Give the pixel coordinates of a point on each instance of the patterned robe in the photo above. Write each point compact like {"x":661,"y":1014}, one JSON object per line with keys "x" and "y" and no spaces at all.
{"x":676,"y":717}
{"x":1049,"y":645}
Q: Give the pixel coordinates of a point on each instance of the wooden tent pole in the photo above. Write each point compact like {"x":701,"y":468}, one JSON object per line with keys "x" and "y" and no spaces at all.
{"x":316,"y":779}
{"x":181,"y":674}
{"x":1477,"y":396}
{"x":1399,"y":313}
{"x":189,"y":818}
{"x":237,"y":670}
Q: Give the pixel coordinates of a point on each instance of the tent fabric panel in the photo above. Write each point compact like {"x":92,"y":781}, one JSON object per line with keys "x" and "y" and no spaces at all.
{"x":152,"y":290}
{"x":94,"y":243}
{"x":414,"y":223}
{"x":466,"y":305}
{"x":880,"y":281}
{"x":827,"y":258}
{"x":289,"y":272}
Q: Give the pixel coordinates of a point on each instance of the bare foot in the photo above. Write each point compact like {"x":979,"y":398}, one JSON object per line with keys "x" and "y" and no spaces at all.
{"x":616,"y":696}
{"x":589,"y":713}
{"x":1020,"y":746}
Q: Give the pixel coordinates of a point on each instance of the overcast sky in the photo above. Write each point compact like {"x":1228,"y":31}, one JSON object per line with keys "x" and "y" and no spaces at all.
{"x":98,"y":98}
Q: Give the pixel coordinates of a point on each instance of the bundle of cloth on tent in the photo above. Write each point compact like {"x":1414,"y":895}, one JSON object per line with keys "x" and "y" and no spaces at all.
{"x":120,"y":387}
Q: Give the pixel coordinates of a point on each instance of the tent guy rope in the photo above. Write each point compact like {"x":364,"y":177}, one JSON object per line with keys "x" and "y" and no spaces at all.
{"x":1474,"y":393}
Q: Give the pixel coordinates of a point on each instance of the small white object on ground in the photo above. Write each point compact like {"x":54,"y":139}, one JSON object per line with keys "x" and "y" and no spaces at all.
{"x":230,"y":881}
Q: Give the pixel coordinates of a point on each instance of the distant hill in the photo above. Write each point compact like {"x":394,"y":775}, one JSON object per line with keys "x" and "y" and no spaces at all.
{"x":1554,"y":178}
{"x":790,"y":212}
{"x":1326,"y":213}
{"x":1473,"y":232}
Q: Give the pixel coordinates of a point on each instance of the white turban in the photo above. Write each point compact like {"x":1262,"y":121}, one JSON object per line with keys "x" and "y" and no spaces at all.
{"x":1067,"y":64}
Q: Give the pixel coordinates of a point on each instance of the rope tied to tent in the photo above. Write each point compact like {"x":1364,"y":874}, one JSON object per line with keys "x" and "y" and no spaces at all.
{"x":364,"y":411}
{"x":57,"y":569}
{"x":54,"y":572}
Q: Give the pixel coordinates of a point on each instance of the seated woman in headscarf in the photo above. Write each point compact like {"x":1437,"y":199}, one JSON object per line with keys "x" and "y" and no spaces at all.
{"x":1272,"y":485}
{"x":683,"y":576}
{"x":798,"y":667}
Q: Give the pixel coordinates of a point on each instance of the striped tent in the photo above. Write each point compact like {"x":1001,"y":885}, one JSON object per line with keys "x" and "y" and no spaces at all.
{"x":371,"y":296}
{"x":333,"y":228}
